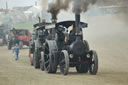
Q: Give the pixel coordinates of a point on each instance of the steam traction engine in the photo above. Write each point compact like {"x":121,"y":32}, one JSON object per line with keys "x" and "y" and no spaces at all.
{"x":68,"y":49}
{"x":37,"y":43}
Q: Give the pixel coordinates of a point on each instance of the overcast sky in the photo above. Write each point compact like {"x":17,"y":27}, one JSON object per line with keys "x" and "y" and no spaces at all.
{"x":17,"y":3}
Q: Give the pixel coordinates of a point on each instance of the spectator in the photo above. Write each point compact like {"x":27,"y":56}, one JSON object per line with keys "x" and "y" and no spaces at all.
{"x":16,"y":50}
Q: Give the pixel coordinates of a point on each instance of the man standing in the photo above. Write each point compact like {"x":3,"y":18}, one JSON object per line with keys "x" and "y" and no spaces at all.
{"x":16,"y":51}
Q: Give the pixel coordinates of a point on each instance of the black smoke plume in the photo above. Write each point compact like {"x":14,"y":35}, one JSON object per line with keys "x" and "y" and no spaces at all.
{"x":82,"y":5}
{"x":54,"y":8}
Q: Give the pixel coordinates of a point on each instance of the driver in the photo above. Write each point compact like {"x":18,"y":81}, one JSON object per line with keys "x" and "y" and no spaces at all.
{"x":72,"y":36}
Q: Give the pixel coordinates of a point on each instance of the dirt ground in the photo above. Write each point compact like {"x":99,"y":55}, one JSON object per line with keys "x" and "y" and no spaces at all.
{"x":107,"y":34}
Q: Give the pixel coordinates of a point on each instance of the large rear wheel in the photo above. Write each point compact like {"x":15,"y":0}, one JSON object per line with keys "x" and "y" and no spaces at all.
{"x":50,"y":64}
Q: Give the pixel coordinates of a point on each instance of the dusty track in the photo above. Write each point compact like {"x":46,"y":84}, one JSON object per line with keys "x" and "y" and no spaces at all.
{"x":107,"y":34}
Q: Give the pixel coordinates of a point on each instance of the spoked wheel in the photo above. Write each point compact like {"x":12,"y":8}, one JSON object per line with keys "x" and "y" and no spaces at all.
{"x":50,"y":65}
{"x":42,"y":61}
{"x":37,"y":56}
{"x":64,"y":62}
{"x":94,"y":63}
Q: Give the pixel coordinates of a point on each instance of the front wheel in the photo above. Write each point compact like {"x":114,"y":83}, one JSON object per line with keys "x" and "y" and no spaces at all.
{"x":37,"y":59}
{"x":64,"y":62}
{"x":94,"y":63}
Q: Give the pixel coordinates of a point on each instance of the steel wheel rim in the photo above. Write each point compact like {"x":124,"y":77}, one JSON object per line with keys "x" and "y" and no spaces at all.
{"x":64,"y":62}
